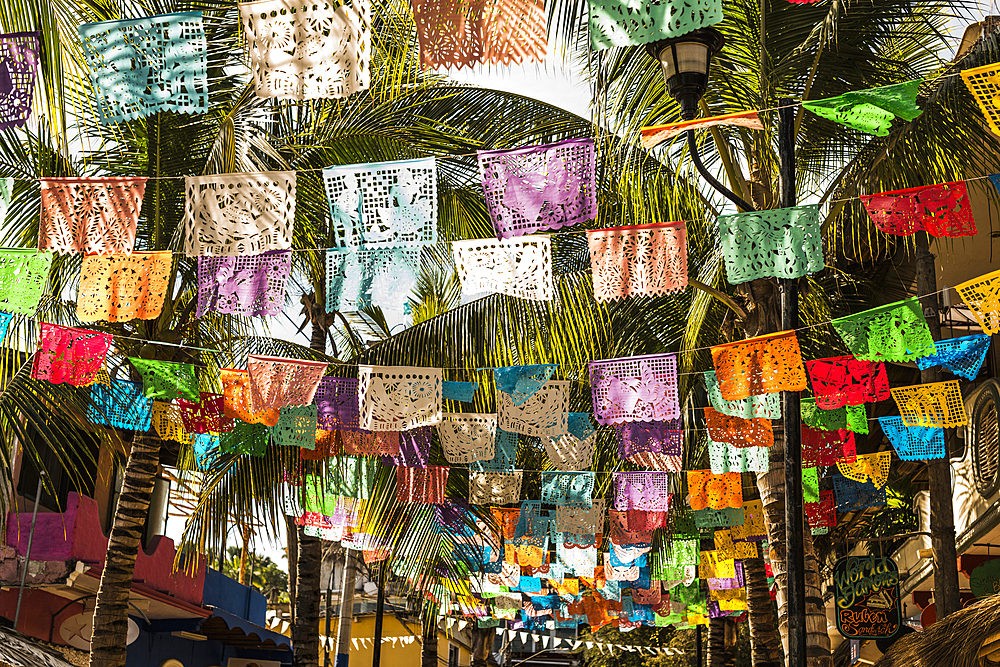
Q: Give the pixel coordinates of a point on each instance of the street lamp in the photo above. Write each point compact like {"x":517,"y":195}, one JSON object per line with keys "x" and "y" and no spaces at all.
{"x":685,"y":61}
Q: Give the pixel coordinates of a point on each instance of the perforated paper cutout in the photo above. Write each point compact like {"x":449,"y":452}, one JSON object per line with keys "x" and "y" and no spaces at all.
{"x":120,"y":405}
{"x":90,"y":215}
{"x":383,"y":205}
{"x":766,"y":406}
{"x":19,"y":67}
{"x":520,"y":267}
{"x":252,"y":286}
{"x":166,"y":419}
{"x":249,"y":439}
{"x":467,"y":437}
{"x":206,"y":414}
{"x":753,"y":528}
{"x":984,"y":84}
{"x":824,"y":448}
{"x":724,"y":458}
{"x":982,"y":296}
{"x":414,"y":448}
{"x":23,"y":275}
{"x":714,"y":491}
{"x":239,"y":400}
{"x":337,"y":403}
{"x":871,"y":110}
{"x":654,"y":136}
{"x":780,"y":243}
{"x":494,"y":487}
{"x":730,"y":550}
{"x":375,"y":443}
{"x":840,"y":381}
{"x":544,"y":414}
{"x":643,"y":260}
{"x":960,"y":356}
{"x":850,"y":417}
{"x":461,"y":33}
{"x":67,"y":355}
{"x":421,"y":485}
{"x":397,"y":398}
{"x":276,"y":382}
{"x":636,"y":438}
{"x":567,"y":452}
{"x":206,"y":449}
{"x":567,"y":488}
{"x":307,"y":50}
{"x":896,"y":332}
{"x":521,"y":382}
{"x":296,"y":427}
{"x":622,"y":23}
{"x":238,"y":214}
{"x":872,"y":468}
{"x":147,"y":65}
{"x":648,"y":491}
{"x":914,"y":443}
{"x":822,"y":514}
{"x":123,"y":288}
{"x":939,"y":210}
{"x":166,"y":380}
{"x":936,"y":404}
{"x":635,"y":389}
{"x":382,"y":277}
{"x":581,"y":520}
{"x":539,"y":187}
{"x":711,"y":518}
{"x":738,"y":432}
{"x":462,"y":392}
{"x":762,"y":365}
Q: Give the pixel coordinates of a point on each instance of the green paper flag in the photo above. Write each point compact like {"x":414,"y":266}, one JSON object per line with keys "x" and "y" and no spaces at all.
{"x":871,"y":110}
{"x":166,"y":380}
{"x":850,"y":417}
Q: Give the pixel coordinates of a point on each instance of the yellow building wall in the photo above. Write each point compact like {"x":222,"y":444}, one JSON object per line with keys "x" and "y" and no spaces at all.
{"x":398,"y":655}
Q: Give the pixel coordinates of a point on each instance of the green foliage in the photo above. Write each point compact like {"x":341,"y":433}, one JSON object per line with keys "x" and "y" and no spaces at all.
{"x":663,"y":638}
{"x":261,"y":572}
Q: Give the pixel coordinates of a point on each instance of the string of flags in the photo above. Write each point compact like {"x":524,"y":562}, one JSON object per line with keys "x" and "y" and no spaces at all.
{"x":545,"y":564}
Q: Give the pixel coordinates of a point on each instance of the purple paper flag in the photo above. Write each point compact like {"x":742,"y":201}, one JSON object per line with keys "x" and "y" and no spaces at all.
{"x":539,"y":187}
{"x":635,"y":389}
{"x":645,"y":490}
{"x":337,"y":404}
{"x":728,"y":583}
{"x":18,"y":70}
{"x":251,"y":285}
{"x":652,"y":437}
{"x":414,"y":449}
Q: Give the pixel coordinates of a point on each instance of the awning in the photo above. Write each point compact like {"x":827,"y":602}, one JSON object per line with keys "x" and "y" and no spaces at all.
{"x":19,"y":651}
{"x":231,"y":629}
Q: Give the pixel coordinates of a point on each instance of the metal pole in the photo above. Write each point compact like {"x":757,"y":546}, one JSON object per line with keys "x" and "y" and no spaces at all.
{"x":697,"y":645}
{"x":27,"y":555}
{"x":794,"y":525}
{"x":379,"y":609}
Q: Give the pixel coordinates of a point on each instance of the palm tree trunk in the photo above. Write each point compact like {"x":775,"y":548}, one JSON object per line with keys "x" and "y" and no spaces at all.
{"x":292,"y":551}
{"x":108,"y":647}
{"x":429,"y":644}
{"x":772,"y":493}
{"x":719,"y":654}
{"x":482,"y":642}
{"x":764,"y":643}
{"x":346,"y":619}
{"x":305,"y":631}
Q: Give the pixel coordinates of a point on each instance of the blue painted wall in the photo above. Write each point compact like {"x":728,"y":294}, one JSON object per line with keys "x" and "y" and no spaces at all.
{"x":234,"y":597}
{"x":152,"y":649}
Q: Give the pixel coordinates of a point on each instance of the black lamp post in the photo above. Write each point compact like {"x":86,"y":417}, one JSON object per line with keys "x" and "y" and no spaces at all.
{"x":685,"y":61}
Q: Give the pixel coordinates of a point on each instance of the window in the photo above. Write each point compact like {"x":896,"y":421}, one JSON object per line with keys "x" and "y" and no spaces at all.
{"x":452,"y":655}
{"x":985,"y":435}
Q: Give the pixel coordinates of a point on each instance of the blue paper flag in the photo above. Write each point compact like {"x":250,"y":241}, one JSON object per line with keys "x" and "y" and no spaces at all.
{"x":123,"y":405}
{"x":961,"y":356}
{"x":459,"y":391}
{"x":522,"y":382}
{"x":914,"y":443}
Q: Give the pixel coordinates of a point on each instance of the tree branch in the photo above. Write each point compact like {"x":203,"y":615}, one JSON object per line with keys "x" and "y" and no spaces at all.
{"x":721,"y":296}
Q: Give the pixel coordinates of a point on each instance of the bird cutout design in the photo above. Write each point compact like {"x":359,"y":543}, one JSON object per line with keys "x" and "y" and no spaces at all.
{"x":528,"y":193}
{"x":345,"y":208}
{"x":626,"y":393}
{"x":406,"y":212}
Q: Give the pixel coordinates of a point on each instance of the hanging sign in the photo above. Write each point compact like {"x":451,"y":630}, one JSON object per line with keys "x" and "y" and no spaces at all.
{"x":867,"y":597}
{"x":985,"y":579}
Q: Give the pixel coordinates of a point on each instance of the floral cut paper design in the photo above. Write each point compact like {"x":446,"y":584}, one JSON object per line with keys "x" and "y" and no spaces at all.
{"x":763,"y":365}
{"x":635,"y":389}
{"x":252,"y":286}
{"x":397,"y":398}
{"x":23,"y":275}
{"x":73,"y":356}
{"x":940,"y":210}
{"x":307,"y":50}
{"x":623,"y":23}
{"x":123,"y":288}
{"x":90,"y":215}
{"x":19,"y":68}
{"x":643,"y":260}
{"x":520,"y":267}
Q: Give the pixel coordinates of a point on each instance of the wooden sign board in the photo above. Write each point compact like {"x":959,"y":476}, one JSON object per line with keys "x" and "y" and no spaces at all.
{"x":866,"y":596}
{"x":985,"y":579}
